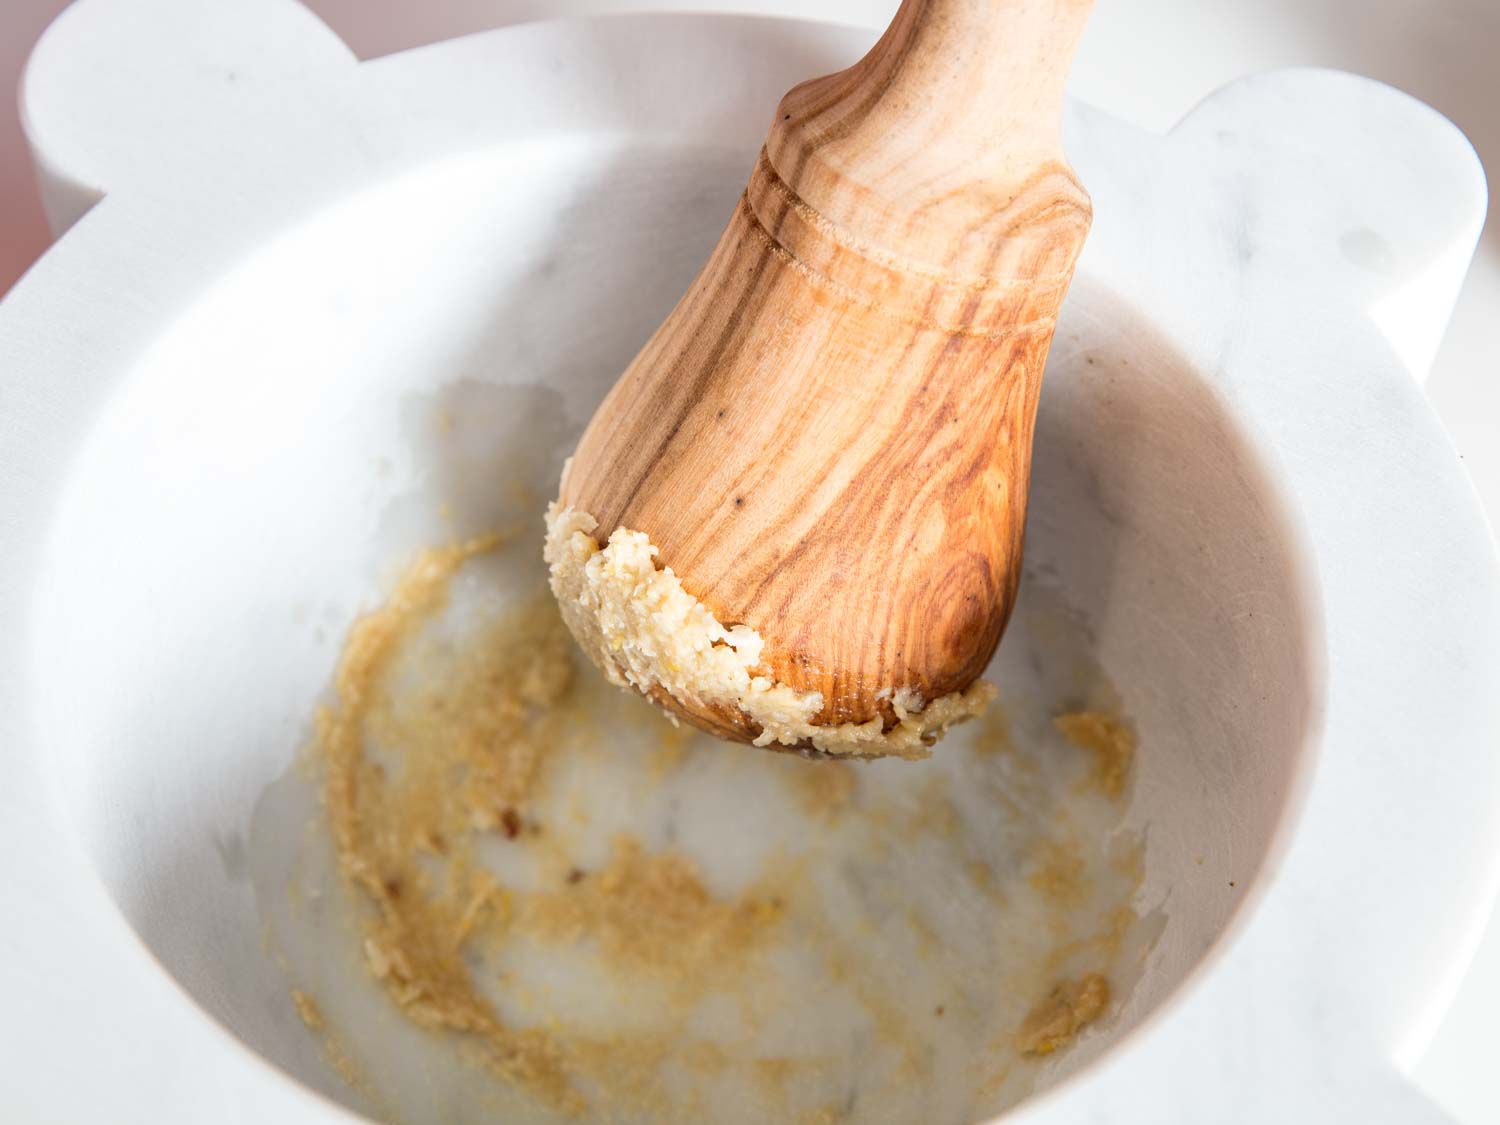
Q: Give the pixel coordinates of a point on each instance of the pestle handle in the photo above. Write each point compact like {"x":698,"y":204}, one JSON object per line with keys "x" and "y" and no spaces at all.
{"x":945,"y":140}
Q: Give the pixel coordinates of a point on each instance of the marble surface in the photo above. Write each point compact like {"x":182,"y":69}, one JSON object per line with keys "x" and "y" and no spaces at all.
{"x":1272,"y":263}
{"x":1150,"y":61}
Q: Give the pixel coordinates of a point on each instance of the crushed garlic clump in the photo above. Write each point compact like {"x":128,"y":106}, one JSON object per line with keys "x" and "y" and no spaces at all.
{"x":644,"y":630}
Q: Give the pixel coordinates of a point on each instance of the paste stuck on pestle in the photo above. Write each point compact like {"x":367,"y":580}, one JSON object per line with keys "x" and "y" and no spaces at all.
{"x":644,"y":630}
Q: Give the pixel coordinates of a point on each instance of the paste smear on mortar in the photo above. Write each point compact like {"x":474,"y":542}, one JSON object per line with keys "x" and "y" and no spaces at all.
{"x":610,"y":918}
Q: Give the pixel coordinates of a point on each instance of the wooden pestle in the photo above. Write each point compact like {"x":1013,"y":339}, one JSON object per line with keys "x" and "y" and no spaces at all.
{"x":829,"y":438}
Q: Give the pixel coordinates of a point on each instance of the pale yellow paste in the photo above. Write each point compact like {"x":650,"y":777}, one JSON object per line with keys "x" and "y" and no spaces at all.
{"x":432,"y":756}
{"x":1109,"y":739}
{"x":643,"y":629}
{"x":1063,"y":1013}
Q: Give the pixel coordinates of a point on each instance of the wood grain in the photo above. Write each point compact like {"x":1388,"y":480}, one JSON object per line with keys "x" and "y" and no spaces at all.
{"x":829,"y":438}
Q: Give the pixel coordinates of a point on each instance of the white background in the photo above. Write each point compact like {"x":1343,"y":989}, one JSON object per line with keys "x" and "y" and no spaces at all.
{"x":1146,"y":60}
